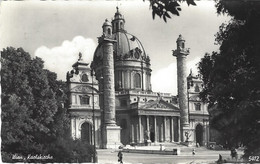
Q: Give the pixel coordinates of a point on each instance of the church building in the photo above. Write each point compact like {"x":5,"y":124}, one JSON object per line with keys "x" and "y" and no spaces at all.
{"x":112,"y":102}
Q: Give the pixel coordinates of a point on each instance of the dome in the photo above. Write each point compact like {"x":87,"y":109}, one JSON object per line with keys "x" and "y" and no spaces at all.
{"x":130,"y":59}
{"x":127,"y":47}
{"x":107,"y":23}
{"x":127,"y":44}
{"x":180,"y":38}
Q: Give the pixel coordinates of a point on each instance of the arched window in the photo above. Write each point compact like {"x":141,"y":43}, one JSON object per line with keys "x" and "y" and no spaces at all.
{"x":137,"y":80}
{"x":182,"y":45}
{"x":197,"y":89}
{"x":109,"y":31}
{"x":86,"y":132}
{"x":84,"y":78}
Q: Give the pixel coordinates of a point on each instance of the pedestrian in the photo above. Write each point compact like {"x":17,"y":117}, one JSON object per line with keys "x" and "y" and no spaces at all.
{"x":120,"y":157}
{"x":234,"y":153}
{"x":220,"y":160}
{"x":193,"y":151}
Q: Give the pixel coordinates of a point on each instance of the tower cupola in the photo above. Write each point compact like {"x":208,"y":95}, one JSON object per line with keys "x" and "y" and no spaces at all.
{"x":118,"y":22}
{"x":180,"y":42}
{"x":107,"y":28}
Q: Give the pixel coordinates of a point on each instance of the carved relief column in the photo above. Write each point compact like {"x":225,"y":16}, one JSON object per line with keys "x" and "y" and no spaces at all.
{"x":109,"y":89}
{"x":112,"y":131}
{"x":180,"y":53}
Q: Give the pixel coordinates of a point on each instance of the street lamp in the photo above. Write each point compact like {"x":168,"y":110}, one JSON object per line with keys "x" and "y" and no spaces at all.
{"x":93,"y":110}
{"x":190,"y":83}
{"x":101,"y":94}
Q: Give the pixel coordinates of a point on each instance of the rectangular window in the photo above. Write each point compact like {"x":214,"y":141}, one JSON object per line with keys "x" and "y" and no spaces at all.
{"x":197,"y":106}
{"x":84,"y":100}
{"x":123,"y":103}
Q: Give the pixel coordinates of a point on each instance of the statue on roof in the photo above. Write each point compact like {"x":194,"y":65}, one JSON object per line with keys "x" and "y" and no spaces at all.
{"x":80,"y":56}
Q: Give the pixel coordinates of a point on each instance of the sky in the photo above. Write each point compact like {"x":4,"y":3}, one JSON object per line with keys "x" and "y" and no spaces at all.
{"x":57,"y":31}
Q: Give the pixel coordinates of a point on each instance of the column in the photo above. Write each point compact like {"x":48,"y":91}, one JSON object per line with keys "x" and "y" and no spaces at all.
{"x":128,"y":79}
{"x":164,"y":128}
{"x":180,"y":53}
{"x":123,"y":79}
{"x":155,"y":130}
{"x":139,"y":128}
{"x":111,"y":135}
{"x":72,"y":128}
{"x":109,"y":89}
{"x":161,"y":130}
{"x":132,"y":133}
{"x":75,"y":126}
{"x":179,"y":129}
{"x":147,"y":124}
{"x":172,"y":130}
{"x":204,"y":134}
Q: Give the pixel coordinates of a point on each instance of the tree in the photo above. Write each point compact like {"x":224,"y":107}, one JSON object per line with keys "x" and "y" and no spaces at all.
{"x":231,"y":77}
{"x":34,"y":119}
{"x":163,"y":8}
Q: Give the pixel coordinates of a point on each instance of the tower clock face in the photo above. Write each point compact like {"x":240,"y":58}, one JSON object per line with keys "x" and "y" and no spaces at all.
{"x":84,"y":77}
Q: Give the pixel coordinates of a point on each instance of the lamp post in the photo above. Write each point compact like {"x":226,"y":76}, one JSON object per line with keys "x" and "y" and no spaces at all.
{"x":190,"y":83}
{"x":93,"y":110}
{"x":101,"y":94}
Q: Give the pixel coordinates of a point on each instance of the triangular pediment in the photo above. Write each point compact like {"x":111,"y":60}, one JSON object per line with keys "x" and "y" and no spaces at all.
{"x":195,"y":98}
{"x":159,"y":104}
{"x":84,"y":89}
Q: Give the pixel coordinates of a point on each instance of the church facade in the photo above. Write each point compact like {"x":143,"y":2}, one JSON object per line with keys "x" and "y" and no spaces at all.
{"x":115,"y":91}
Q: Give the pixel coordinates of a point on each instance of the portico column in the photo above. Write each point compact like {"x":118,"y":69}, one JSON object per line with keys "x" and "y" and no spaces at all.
{"x":75,"y":123}
{"x":139,"y":128}
{"x":179,"y":130}
{"x":155,"y":130}
{"x":147,"y":123}
{"x":132,"y":133}
{"x":164,"y":128}
{"x":172,"y":130}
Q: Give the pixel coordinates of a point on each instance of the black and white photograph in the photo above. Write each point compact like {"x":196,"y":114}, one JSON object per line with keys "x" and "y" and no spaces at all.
{"x":130,"y":82}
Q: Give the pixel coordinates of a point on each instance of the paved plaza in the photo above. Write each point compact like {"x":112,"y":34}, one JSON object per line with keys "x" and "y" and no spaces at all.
{"x":203,"y":155}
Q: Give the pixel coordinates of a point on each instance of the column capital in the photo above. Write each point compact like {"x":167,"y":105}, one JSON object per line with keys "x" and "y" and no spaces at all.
{"x":104,"y":38}
{"x":181,"y":52}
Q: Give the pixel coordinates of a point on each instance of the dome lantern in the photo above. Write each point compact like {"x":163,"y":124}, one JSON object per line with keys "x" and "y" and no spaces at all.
{"x":118,"y":22}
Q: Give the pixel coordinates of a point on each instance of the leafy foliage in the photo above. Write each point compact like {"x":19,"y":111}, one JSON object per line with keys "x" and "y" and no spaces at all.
{"x":163,"y":8}
{"x":34,"y":119}
{"x":231,"y":77}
